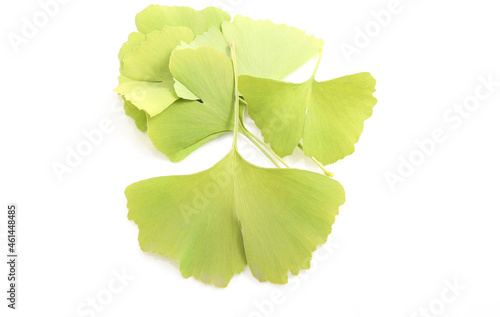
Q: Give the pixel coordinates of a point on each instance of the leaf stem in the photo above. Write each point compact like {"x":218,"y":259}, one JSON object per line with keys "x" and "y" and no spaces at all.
{"x":236,"y":99}
{"x":259,"y":147}
{"x":265,"y":146}
{"x":323,"y":168}
{"x":317,"y":64}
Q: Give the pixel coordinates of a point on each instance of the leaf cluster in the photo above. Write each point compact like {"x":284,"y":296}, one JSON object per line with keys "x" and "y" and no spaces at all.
{"x":187,"y":77}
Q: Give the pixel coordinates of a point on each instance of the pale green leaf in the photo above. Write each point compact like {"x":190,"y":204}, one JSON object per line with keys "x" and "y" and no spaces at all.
{"x":146,"y":80}
{"x":134,"y":40}
{"x":213,"y":37}
{"x":328,"y":116}
{"x":269,"y":50}
{"x":208,"y":74}
{"x":152,"y":97}
{"x":139,"y":116}
{"x":186,"y":125}
{"x":149,"y":61}
{"x":183,"y":92}
{"x":155,"y":17}
{"x":216,"y":221}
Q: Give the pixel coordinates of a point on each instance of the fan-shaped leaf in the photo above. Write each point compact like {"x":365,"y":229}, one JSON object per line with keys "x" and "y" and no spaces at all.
{"x":156,"y":17}
{"x":328,"y":116}
{"x":184,"y":126}
{"x":216,"y":221}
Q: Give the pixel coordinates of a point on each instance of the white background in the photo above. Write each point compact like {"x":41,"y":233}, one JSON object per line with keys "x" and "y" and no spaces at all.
{"x":393,"y":250}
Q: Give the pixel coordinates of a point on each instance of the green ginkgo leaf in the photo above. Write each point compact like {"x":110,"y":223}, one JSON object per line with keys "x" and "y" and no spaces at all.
{"x":139,"y":116}
{"x":216,"y":221}
{"x":186,"y":125}
{"x":269,"y":50}
{"x":134,"y":40}
{"x":156,"y":17}
{"x":327,"y":116}
{"x":146,"y":80}
{"x":183,"y":92}
{"x":213,"y":38}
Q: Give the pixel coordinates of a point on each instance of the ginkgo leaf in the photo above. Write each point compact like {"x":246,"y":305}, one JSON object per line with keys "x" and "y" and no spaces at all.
{"x":149,"y":61}
{"x":186,"y":125}
{"x":155,"y":17}
{"x":146,"y":80}
{"x":183,"y":127}
{"x":269,"y":50}
{"x":183,"y":92}
{"x":328,"y":116}
{"x":139,"y":116}
{"x":153,"y":97}
{"x":216,"y":221}
{"x":213,"y":38}
{"x":265,"y":50}
{"x":134,"y":39}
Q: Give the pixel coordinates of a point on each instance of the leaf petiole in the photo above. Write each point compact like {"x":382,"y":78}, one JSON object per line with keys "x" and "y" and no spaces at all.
{"x":258,"y":143}
{"x":251,"y":135}
{"x":236,"y":99}
{"x":242,"y":131}
{"x":317,"y":64}
{"x":323,"y":168}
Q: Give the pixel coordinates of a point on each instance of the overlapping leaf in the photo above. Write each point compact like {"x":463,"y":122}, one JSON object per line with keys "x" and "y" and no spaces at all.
{"x":327,"y":116}
{"x":139,"y":116}
{"x":269,"y":50}
{"x":182,"y":91}
{"x":155,"y":17}
{"x":155,"y":97}
{"x":186,"y":125}
{"x":180,"y":130}
{"x":265,"y":49}
{"x":146,"y":80}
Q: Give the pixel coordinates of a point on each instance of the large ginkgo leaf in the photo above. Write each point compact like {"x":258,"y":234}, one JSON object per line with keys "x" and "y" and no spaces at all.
{"x":328,"y":116}
{"x":269,"y":50}
{"x":216,"y":221}
{"x":185,"y":125}
{"x":146,"y":80}
{"x":265,"y":49}
{"x":155,"y":17}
